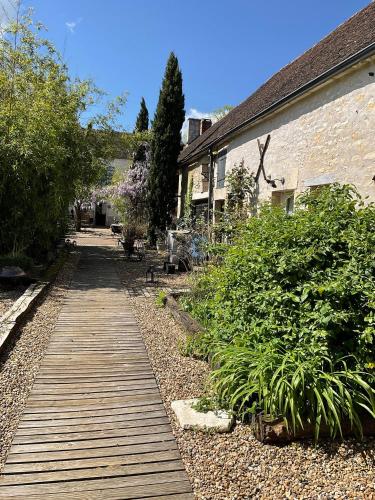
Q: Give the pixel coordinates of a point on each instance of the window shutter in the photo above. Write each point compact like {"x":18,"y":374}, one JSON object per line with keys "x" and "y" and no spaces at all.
{"x":220,"y":171}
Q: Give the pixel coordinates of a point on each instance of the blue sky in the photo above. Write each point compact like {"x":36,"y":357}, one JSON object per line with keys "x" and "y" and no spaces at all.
{"x":226,"y":48}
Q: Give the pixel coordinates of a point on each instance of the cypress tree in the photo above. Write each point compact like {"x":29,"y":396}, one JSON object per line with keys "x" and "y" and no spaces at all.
{"x":165,"y":148}
{"x":141,"y":123}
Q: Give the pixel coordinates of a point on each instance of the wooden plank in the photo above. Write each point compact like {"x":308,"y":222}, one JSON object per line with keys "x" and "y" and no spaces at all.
{"x":95,"y":346}
{"x":90,"y":404}
{"x":129,"y":448}
{"x":135,"y":406}
{"x":171,"y":489}
{"x":160,"y":433}
{"x":84,"y":419}
{"x":56,"y":395}
{"x":50,"y":387}
{"x":91,"y":378}
{"x":91,"y":485}
{"x":86,"y":371}
{"x":116,"y":423}
{"x":11,"y":319}
{"x":147,"y":453}
{"x":97,"y":472}
{"x":136,"y":381}
{"x":146,"y":427}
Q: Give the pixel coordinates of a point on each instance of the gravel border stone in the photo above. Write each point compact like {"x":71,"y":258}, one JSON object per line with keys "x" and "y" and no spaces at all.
{"x":11,"y":319}
{"x":9,"y":296}
{"x":211,"y":421}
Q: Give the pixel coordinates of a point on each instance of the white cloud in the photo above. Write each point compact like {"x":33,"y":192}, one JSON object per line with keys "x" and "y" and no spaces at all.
{"x":71,"y":25}
{"x":194,"y":113}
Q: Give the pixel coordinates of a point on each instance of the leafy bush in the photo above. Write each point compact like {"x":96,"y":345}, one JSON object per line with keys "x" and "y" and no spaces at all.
{"x":47,"y":157}
{"x":161,"y":298}
{"x":293,"y":293}
{"x":303,"y":385}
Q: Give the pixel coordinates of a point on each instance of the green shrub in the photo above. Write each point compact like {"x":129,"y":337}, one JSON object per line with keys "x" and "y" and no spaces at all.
{"x":161,"y":298}
{"x":304,"y":385}
{"x":291,"y":281}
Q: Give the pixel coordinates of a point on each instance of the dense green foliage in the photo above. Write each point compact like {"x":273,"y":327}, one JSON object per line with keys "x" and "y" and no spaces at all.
{"x":141,"y":123}
{"x":141,"y":126}
{"x":47,"y":158}
{"x":290,"y":312}
{"x":165,"y":148}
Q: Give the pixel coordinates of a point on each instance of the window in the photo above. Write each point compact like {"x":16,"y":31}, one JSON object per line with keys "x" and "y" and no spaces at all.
{"x":289,"y":204}
{"x":205,"y":175}
{"x":200,"y":210}
{"x":316,"y":190}
{"x":220,"y":168}
{"x":284,"y":199}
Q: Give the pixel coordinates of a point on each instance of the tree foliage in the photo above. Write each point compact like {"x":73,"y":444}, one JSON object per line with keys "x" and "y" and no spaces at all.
{"x":47,"y":157}
{"x":141,"y":124}
{"x":165,"y":148}
{"x":219,"y":113}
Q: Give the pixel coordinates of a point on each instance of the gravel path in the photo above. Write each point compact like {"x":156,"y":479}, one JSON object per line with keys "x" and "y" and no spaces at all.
{"x":19,"y":363}
{"x":8,"y":297}
{"x":235,"y":465}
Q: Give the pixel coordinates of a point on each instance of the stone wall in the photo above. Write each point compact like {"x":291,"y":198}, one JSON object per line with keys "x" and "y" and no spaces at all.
{"x":325,"y":136}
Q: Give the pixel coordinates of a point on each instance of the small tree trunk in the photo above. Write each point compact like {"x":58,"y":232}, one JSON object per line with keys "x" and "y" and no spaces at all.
{"x":78,"y":217}
{"x":152,"y":236}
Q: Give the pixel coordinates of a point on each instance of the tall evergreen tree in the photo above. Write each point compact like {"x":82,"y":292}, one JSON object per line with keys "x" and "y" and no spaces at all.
{"x":165,"y":148}
{"x":141,"y":123}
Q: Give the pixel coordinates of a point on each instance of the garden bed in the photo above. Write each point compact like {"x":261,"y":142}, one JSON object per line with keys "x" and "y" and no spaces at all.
{"x":22,"y":354}
{"x":266,"y":429}
{"x":236,"y":465}
{"x":18,"y":309}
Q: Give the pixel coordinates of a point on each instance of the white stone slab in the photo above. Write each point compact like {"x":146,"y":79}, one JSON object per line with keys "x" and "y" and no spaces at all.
{"x":189,"y":418}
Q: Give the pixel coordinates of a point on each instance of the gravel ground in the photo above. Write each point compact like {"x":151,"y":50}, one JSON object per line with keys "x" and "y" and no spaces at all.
{"x":19,"y":363}
{"x":133,"y":273}
{"x":8,"y":297}
{"x":235,"y":465}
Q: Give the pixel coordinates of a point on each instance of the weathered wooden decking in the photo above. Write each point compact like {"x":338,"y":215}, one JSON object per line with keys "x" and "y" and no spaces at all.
{"x":94,"y":426}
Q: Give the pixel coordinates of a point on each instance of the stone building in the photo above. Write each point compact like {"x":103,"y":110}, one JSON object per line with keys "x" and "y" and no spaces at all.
{"x":319,"y":111}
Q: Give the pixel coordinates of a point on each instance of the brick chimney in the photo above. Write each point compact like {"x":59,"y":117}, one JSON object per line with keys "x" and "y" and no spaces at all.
{"x":196,"y":127}
{"x":193,"y":129}
{"x":205,"y":125}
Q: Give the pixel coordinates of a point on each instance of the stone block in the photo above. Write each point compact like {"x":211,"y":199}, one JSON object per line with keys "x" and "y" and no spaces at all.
{"x":189,"y":418}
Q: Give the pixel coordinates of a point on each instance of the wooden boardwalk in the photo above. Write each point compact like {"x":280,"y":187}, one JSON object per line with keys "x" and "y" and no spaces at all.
{"x":94,"y":426}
